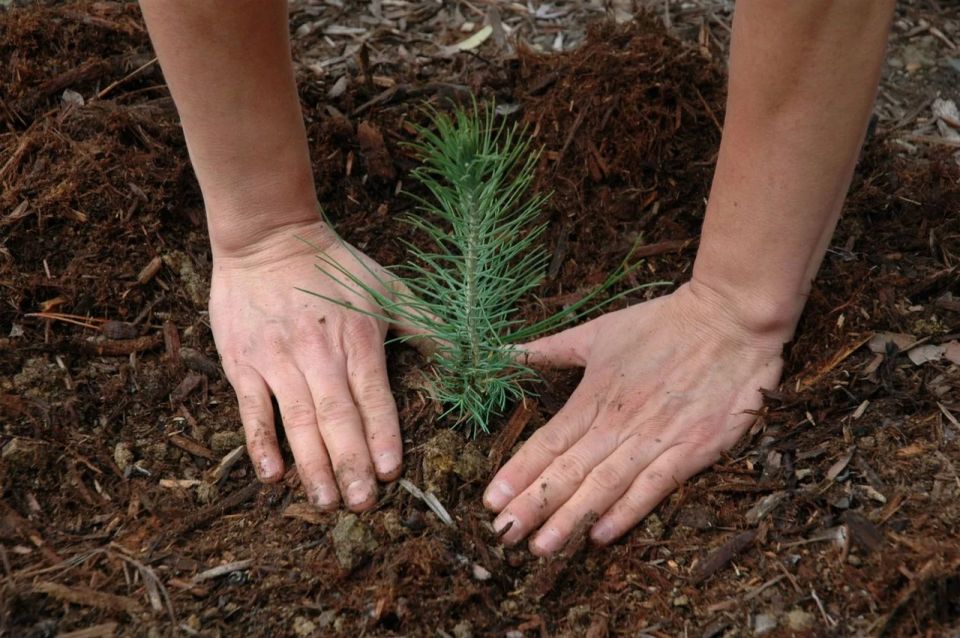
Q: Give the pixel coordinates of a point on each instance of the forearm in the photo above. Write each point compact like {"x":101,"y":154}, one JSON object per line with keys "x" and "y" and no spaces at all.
{"x":803,"y":78}
{"x":228,"y":66}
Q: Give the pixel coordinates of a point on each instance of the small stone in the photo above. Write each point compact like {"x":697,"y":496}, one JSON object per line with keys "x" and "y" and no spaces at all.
{"x":463,"y":629}
{"x":654,"y":526}
{"x":800,"y":620}
{"x":156,"y":451}
{"x":207,"y":492}
{"x":854,"y":560}
{"x":352,"y":540}
{"x":697,"y":517}
{"x":514,"y":633}
{"x":226,"y":440}
{"x":193,"y":622}
{"x":480,"y":572}
{"x":681,"y":601}
{"x":394,"y":525}
{"x":763,"y":623}
{"x":303,"y":626}
{"x":123,"y":455}
{"x":21,"y":453}
{"x":194,"y":283}
{"x":579,"y":617}
{"x":327,"y":618}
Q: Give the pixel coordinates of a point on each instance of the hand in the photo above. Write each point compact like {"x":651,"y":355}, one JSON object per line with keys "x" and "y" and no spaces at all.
{"x":325,"y":364}
{"x":668,"y":384}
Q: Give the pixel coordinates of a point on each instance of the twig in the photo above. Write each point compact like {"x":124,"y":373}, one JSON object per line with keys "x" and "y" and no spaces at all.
{"x":823,"y":612}
{"x":116,"y":83}
{"x":221,"y":570}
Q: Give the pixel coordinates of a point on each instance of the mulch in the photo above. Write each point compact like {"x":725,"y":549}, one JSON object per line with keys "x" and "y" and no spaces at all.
{"x":126,"y":510}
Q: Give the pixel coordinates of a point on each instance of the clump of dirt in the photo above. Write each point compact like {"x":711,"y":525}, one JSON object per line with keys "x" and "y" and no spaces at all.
{"x":111,"y":446}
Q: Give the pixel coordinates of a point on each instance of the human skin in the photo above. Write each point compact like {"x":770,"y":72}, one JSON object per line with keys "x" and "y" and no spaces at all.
{"x":668,"y":384}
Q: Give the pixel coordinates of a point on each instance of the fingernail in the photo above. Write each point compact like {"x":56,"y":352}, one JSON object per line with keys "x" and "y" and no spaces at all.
{"x":602,"y":532}
{"x":387,"y":463}
{"x":497,"y":496}
{"x":507,"y":528}
{"x":324,"y":497}
{"x":268,"y":469}
{"x":548,"y":541}
{"x":357,"y":493}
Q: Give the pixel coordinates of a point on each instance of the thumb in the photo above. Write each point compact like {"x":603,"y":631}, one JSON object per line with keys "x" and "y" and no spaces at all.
{"x":413,"y":326}
{"x":567,"y":349}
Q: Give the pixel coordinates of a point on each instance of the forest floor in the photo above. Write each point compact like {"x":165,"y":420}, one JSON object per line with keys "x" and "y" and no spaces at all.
{"x":129,"y":507}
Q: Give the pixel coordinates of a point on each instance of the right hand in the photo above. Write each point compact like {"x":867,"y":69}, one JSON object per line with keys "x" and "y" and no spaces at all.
{"x":325,"y":364}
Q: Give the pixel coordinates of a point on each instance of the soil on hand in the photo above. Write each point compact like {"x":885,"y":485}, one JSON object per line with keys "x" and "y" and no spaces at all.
{"x":125,"y":504}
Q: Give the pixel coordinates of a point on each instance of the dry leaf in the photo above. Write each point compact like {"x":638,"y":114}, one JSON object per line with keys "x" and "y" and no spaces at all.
{"x":914,"y":449}
{"x":925,"y":353}
{"x":472,"y":42}
{"x":878,"y":343}
{"x":951,"y":351}
{"x":840,"y":465}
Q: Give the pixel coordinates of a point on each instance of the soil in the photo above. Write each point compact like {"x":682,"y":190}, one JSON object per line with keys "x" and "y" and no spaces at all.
{"x":127,"y":510}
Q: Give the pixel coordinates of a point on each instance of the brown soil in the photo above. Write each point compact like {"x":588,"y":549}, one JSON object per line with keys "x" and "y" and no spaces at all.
{"x":827,"y":520}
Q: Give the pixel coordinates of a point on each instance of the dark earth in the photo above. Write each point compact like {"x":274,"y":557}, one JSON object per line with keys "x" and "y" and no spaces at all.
{"x":129,"y":508}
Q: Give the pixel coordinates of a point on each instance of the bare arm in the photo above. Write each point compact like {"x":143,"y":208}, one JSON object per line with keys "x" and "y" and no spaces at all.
{"x":228,"y":66}
{"x":670,"y":383}
{"x":803,"y":77}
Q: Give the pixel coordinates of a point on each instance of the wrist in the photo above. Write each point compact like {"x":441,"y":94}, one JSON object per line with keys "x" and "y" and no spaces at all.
{"x":764,"y":316}
{"x":272,"y":237}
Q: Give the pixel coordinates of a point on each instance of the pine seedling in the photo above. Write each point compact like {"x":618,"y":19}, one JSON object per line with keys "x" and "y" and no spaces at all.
{"x":484,"y":257}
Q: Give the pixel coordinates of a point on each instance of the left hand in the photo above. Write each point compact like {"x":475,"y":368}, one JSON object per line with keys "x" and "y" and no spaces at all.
{"x":668,"y":384}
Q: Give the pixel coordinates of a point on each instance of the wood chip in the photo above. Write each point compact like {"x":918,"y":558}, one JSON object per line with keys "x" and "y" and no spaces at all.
{"x":305,"y":512}
{"x":719,"y":557}
{"x":189,"y":445}
{"x":765,"y":506}
{"x":103,"y":630}
{"x":87,"y":597}
{"x":150,"y":270}
{"x":222,"y":469}
{"x":189,"y":383}
{"x":508,"y":436}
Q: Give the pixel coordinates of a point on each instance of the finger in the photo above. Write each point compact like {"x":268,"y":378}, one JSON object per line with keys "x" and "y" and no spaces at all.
{"x":546,"y":444}
{"x":605,"y":484}
{"x":342,"y":430}
{"x":665,"y":474}
{"x":300,"y":424}
{"x":370,"y":388}
{"x":567,"y":349}
{"x":256,"y":415}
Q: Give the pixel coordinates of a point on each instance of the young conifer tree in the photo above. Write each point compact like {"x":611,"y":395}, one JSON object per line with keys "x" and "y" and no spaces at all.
{"x":484,"y":257}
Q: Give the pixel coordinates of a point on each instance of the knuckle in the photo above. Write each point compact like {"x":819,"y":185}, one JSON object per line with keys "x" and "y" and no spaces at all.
{"x":570,"y":469}
{"x":553,"y":441}
{"x":607,"y":477}
{"x":298,"y":416}
{"x":334,"y":409}
{"x":361,"y":333}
